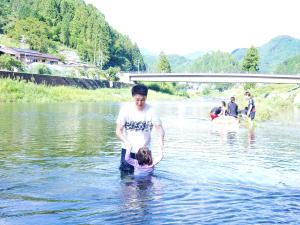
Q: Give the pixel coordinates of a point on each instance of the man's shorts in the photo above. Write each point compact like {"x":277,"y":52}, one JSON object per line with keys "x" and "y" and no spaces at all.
{"x":252,"y":115}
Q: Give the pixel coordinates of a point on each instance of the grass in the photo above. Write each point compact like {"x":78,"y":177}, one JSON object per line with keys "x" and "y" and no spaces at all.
{"x":270,"y":100}
{"x":21,"y":91}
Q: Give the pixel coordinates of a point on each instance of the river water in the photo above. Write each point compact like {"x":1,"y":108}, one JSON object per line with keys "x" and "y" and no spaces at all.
{"x":59,"y":165}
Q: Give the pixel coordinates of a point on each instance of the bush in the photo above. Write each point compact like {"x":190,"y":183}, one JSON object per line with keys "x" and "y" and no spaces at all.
{"x":43,"y":69}
{"x":111,"y":74}
{"x":249,"y":86}
{"x":10,"y":63}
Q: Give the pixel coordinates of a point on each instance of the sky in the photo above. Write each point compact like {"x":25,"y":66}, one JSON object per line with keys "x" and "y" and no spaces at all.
{"x":186,"y":26}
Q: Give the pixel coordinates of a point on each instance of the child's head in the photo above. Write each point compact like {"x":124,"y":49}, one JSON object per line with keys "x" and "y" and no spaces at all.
{"x":144,"y":156}
{"x":248,"y":94}
{"x":223,"y":104}
{"x":232,"y":99}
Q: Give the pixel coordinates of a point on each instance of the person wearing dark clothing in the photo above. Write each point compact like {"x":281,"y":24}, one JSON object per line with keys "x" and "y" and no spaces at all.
{"x":251,"y":106}
{"x":232,"y":108}
{"x":214,"y":112}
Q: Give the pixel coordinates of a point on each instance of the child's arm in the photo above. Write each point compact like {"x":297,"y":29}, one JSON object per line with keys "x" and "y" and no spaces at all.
{"x":128,"y":159}
{"x":160,"y":156}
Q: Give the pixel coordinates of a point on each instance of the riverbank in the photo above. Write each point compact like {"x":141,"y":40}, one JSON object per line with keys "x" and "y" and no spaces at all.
{"x":21,"y":91}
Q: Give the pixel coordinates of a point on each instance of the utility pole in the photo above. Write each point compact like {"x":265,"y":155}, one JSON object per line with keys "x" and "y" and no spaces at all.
{"x":95,"y":52}
{"x":101,"y":59}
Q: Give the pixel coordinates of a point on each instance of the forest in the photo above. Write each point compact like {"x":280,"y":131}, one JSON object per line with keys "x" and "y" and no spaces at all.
{"x":47,"y":25}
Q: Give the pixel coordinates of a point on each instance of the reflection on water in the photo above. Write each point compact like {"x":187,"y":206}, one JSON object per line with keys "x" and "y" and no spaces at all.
{"x":59,"y":165}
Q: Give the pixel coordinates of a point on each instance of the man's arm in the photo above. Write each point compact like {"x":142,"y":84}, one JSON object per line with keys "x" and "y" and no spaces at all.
{"x":161,"y":133}
{"x":120,"y":135}
{"x":159,"y":157}
{"x":249,"y":109}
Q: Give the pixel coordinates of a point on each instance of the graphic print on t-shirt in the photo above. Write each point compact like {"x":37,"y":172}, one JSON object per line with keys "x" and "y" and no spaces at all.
{"x":139,"y":126}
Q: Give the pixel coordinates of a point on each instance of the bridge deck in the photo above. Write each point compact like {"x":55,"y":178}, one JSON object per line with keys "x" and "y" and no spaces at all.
{"x":215,"y":77}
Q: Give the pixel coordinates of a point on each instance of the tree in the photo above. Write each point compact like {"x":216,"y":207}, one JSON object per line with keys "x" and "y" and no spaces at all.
{"x":215,"y":62}
{"x":37,"y":33}
{"x":250,"y":64}
{"x":163,"y":65}
{"x":251,"y":60}
{"x":4,"y":14}
{"x":10,"y":63}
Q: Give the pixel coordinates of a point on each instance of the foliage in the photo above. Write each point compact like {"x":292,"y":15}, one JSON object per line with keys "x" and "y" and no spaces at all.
{"x":251,"y":64}
{"x":251,"y":60}
{"x":278,"y":50}
{"x":21,"y":91}
{"x":10,"y":63}
{"x":163,"y":65}
{"x":43,"y":69}
{"x":215,"y":62}
{"x":273,"y":53}
{"x":111,"y":74}
{"x":248,"y":86}
{"x":73,"y":23}
{"x":290,"y":66}
{"x":167,"y":88}
{"x":4,"y":14}
{"x":35,"y":32}
{"x":223,"y":86}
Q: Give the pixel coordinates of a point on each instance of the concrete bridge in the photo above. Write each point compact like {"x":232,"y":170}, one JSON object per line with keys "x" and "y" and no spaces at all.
{"x":213,"y":77}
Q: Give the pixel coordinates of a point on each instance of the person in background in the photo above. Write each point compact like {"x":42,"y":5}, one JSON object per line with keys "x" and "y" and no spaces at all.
{"x":214,"y":112}
{"x":144,"y":163}
{"x":232,"y":108}
{"x":223,"y":109}
{"x":251,"y":106}
{"x":134,"y":125}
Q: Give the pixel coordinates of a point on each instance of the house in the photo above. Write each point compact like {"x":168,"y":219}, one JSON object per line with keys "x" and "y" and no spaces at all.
{"x":29,"y":56}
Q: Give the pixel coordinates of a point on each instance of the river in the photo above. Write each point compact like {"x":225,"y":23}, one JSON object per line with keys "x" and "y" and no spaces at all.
{"x":59,"y":165}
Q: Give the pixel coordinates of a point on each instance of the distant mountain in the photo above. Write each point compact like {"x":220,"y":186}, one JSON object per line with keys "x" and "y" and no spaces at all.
{"x":239,"y":53}
{"x":151,"y":62}
{"x":275,"y":52}
{"x":272,"y":54}
{"x":176,"y":62}
{"x":145,"y":51}
{"x":290,"y":66}
{"x":194,"y":55}
{"x":214,"y":62}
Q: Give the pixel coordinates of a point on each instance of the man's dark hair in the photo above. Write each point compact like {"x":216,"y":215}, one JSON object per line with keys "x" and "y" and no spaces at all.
{"x":247,"y":93}
{"x":139,"y":89}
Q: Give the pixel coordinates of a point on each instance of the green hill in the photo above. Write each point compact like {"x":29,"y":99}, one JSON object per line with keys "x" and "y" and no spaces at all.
{"x":290,"y":66}
{"x":45,"y":25}
{"x":176,"y":62}
{"x":278,"y":50}
{"x":214,"y":62}
{"x":275,"y":52}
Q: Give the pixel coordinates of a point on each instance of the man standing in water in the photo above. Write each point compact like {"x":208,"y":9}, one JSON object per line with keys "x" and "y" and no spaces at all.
{"x":134,"y":125}
{"x":251,"y":106}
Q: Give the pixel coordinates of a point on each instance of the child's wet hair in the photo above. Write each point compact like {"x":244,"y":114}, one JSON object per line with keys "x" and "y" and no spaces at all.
{"x":144,"y":156}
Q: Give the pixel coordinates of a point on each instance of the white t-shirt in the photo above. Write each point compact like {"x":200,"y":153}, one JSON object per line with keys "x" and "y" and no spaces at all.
{"x":137,"y":125}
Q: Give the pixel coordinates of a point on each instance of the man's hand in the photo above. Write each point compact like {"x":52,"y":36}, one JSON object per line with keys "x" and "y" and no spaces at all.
{"x":127,"y":145}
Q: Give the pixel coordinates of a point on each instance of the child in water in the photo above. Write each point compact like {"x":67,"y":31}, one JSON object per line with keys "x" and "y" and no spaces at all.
{"x":143,"y":164}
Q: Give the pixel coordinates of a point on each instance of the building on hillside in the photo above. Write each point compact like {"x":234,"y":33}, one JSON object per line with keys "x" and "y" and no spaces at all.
{"x":29,"y":56}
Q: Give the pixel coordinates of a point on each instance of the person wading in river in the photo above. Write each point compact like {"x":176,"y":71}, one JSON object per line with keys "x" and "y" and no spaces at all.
{"x":134,"y":125}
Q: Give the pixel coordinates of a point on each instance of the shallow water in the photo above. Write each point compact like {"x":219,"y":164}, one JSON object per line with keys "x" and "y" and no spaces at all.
{"x":59,"y":165}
